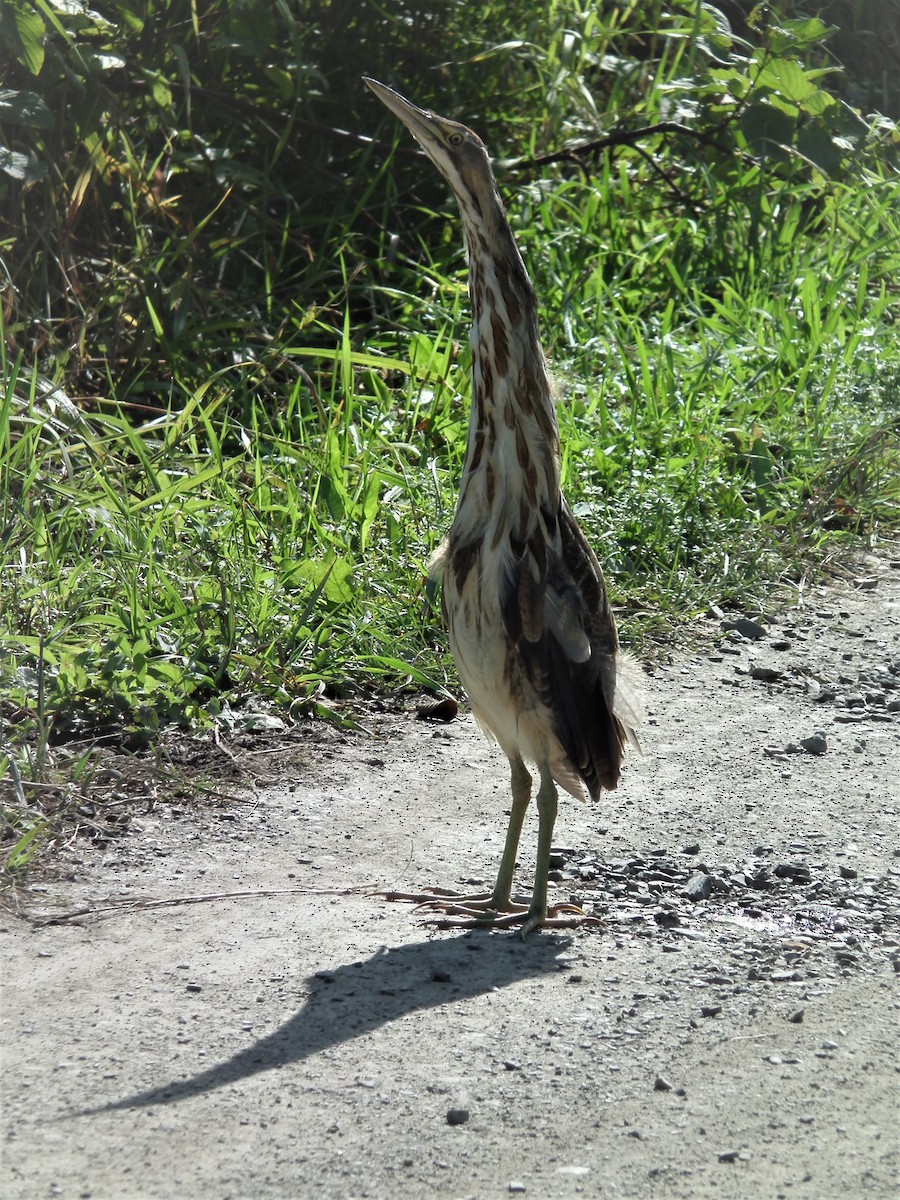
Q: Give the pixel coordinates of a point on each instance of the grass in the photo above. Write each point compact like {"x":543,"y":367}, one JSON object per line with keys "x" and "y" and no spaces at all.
{"x":237,"y":512}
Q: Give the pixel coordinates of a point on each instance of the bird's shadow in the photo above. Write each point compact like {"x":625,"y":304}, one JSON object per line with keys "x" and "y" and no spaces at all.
{"x":352,"y":1000}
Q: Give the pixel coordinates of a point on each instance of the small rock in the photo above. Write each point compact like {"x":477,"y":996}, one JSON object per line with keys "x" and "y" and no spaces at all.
{"x":796,"y":1018}
{"x":766,"y":674}
{"x":760,"y":879}
{"x":691,"y":848}
{"x":698,"y":887}
{"x":848,"y":872}
{"x":457,"y":1116}
{"x":262,"y":723}
{"x":795,"y":872}
{"x":515,"y":1185}
{"x":728,"y":1156}
{"x":815,"y":744}
{"x":661,"y":1085}
{"x":710,"y":1010}
{"x":775,"y":1059}
{"x":511,"y":1065}
{"x":746,"y":628}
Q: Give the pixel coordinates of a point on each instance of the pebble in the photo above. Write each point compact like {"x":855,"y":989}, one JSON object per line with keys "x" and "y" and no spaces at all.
{"x":710,"y":1010}
{"x":746,"y":628}
{"x":766,"y":674}
{"x":661,"y":1085}
{"x":458,"y":1116}
{"x":796,"y":1018}
{"x":516,"y":1185}
{"x":698,"y":887}
{"x":816,"y":744}
{"x":795,"y":872}
{"x":728,"y":1156}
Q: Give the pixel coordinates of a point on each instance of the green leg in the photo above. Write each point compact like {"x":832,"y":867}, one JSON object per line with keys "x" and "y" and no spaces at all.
{"x":547,"y":799}
{"x":521,"y":794}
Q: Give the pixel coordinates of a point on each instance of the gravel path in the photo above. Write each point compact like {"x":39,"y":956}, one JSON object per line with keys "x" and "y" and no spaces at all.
{"x":729,"y":1029}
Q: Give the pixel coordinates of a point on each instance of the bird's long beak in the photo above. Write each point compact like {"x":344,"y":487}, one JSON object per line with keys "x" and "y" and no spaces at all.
{"x":418,"y":121}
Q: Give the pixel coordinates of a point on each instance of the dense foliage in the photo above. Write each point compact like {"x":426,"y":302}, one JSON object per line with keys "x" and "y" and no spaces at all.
{"x":234,"y":358}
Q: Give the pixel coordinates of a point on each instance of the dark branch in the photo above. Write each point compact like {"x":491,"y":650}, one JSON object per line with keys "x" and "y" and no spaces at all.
{"x":629,"y":137}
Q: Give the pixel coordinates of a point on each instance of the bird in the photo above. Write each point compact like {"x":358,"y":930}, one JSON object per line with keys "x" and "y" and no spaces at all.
{"x":523,"y":595}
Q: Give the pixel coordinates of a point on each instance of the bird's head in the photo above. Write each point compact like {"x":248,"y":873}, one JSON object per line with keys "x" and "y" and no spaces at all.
{"x":458,"y":153}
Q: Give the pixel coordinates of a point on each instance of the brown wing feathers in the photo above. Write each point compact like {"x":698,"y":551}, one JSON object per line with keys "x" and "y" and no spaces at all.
{"x":577,"y":686}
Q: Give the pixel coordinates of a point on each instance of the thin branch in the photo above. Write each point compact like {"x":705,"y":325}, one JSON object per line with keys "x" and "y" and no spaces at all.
{"x":630,"y":137}
{"x":129,"y":904}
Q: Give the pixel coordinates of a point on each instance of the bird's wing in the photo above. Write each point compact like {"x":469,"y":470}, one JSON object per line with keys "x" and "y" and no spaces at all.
{"x":557,"y":614}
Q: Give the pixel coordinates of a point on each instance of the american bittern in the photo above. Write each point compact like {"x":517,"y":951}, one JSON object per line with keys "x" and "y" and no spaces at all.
{"x":524,"y":598}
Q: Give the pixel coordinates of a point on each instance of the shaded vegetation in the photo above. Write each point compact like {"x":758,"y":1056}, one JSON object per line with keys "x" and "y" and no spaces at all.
{"x":235,"y":377}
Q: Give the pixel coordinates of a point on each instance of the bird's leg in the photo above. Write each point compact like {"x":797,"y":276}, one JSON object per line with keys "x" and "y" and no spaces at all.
{"x":547,"y":802}
{"x":499,"y":908}
{"x":486,"y":909}
{"x":521,"y":796}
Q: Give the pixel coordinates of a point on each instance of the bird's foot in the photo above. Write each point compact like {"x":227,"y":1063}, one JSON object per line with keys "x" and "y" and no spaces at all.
{"x":474,"y":910}
{"x":481,"y":911}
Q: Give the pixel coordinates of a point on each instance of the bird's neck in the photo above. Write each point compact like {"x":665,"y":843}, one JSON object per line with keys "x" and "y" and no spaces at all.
{"x":513,"y":447}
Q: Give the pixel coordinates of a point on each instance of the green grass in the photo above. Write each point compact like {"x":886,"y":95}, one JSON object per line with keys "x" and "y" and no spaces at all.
{"x":270,"y":382}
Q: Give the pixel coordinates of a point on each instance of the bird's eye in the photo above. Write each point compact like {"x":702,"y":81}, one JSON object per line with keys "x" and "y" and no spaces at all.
{"x":455,"y":139}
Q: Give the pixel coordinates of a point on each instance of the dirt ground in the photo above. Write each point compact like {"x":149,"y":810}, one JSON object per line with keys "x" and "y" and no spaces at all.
{"x":729,"y":1029}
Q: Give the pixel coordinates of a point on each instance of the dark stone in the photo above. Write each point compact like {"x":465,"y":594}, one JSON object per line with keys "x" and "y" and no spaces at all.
{"x":795,"y":872}
{"x":746,"y":628}
{"x":698,"y":887}
{"x":816,"y":744}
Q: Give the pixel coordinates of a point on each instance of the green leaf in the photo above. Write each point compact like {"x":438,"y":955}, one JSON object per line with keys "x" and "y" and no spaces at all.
{"x":801,"y":33}
{"x":25,"y":108}
{"x":820,"y":148}
{"x":767,"y":129}
{"x":332,"y":576}
{"x":787,"y":78}
{"x":370,"y":508}
{"x":817,"y":103}
{"x":21,"y":166}
{"x":30,"y":29}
